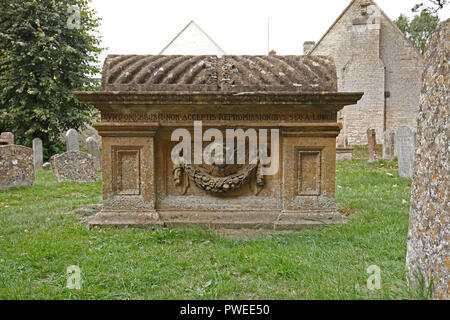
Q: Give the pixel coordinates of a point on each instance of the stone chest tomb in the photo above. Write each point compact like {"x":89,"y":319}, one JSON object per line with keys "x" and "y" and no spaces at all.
{"x":146,"y":99}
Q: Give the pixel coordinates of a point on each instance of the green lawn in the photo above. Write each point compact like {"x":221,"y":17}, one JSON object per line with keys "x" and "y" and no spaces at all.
{"x":41,"y":235}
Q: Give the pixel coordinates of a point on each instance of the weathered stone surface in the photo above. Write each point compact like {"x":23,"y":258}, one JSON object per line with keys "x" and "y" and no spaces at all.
{"x":72,"y":140}
{"x":214,"y":74}
{"x":38,"y":154}
{"x":94,"y":151}
{"x":47,"y":166}
{"x":344,"y":154}
{"x":372,"y":55}
{"x":372,"y":145}
{"x":405,"y":140}
{"x":6,"y":138}
{"x":74,"y":166}
{"x":16,"y":166}
{"x":429,"y":227}
{"x":388,"y":145}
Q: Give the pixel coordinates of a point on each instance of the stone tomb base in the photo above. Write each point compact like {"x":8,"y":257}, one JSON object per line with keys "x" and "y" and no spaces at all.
{"x":143,"y":187}
{"x":145,"y":99}
{"x":261,"y":219}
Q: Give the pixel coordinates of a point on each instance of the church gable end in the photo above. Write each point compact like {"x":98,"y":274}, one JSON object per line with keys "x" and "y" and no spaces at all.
{"x":374,"y":56}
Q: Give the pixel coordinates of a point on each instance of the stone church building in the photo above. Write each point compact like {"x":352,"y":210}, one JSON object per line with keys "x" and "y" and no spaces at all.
{"x":372,"y":56}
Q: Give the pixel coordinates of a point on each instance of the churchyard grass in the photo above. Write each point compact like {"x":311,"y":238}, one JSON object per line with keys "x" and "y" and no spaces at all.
{"x":41,"y":234}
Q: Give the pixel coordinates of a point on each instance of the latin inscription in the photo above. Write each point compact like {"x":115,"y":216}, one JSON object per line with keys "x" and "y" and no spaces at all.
{"x":269,"y":117}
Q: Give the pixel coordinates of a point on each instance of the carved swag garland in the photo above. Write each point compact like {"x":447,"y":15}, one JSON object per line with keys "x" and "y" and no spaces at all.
{"x":182,"y":173}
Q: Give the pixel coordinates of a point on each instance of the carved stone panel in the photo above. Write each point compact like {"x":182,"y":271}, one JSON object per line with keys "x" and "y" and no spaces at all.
{"x":127,"y":175}
{"x":309,"y":167}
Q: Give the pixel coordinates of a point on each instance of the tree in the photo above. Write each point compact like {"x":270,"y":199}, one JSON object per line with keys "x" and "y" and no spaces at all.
{"x":436,"y":5}
{"x":420,"y":29}
{"x":49,"y":48}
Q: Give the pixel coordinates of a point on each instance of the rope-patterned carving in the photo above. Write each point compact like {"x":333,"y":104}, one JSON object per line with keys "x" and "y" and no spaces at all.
{"x":213,"y":74}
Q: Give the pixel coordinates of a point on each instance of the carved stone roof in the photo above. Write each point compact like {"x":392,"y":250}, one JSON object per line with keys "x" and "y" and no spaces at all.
{"x":159,"y":73}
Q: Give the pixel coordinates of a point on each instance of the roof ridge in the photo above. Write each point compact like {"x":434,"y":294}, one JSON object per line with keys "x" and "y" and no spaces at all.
{"x":192,"y":22}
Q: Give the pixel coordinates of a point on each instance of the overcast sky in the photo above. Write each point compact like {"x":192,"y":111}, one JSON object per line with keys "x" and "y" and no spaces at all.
{"x":238,"y":26}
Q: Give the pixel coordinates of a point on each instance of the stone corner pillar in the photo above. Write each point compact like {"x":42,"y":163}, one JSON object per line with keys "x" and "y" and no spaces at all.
{"x":128,"y":165}
{"x":309,"y":164}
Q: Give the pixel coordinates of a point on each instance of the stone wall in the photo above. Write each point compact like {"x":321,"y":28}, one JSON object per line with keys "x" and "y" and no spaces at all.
{"x":373,"y":56}
{"x":404,"y":66}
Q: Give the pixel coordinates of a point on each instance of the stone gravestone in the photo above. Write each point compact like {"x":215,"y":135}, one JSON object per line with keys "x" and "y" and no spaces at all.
{"x":6,"y":138}
{"x":344,"y":154}
{"x":388,"y":145}
{"x":405,"y":140}
{"x":372,"y":145}
{"x":74,"y":166}
{"x":72,"y":142}
{"x":38,"y":154}
{"x":16,"y":166}
{"x":428,"y":238}
{"x":346,"y":145}
{"x":94,"y":151}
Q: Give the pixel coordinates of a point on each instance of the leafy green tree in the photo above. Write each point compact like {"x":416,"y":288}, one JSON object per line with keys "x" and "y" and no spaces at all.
{"x":419,"y":29}
{"x":402,"y":23}
{"x":48,"y":49}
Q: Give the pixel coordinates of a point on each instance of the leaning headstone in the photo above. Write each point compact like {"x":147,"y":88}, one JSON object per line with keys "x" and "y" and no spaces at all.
{"x":372,"y":145}
{"x":38,"y":154}
{"x":6,"y":138}
{"x":388,"y":145}
{"x":16,"y":166}
{"x":429,"y":227}
{"x":94,"y":151}
{"x":406,"y":145}
{"x":74,"y":166}
{"x":47,"y":166}
{"x":72,"y":142}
